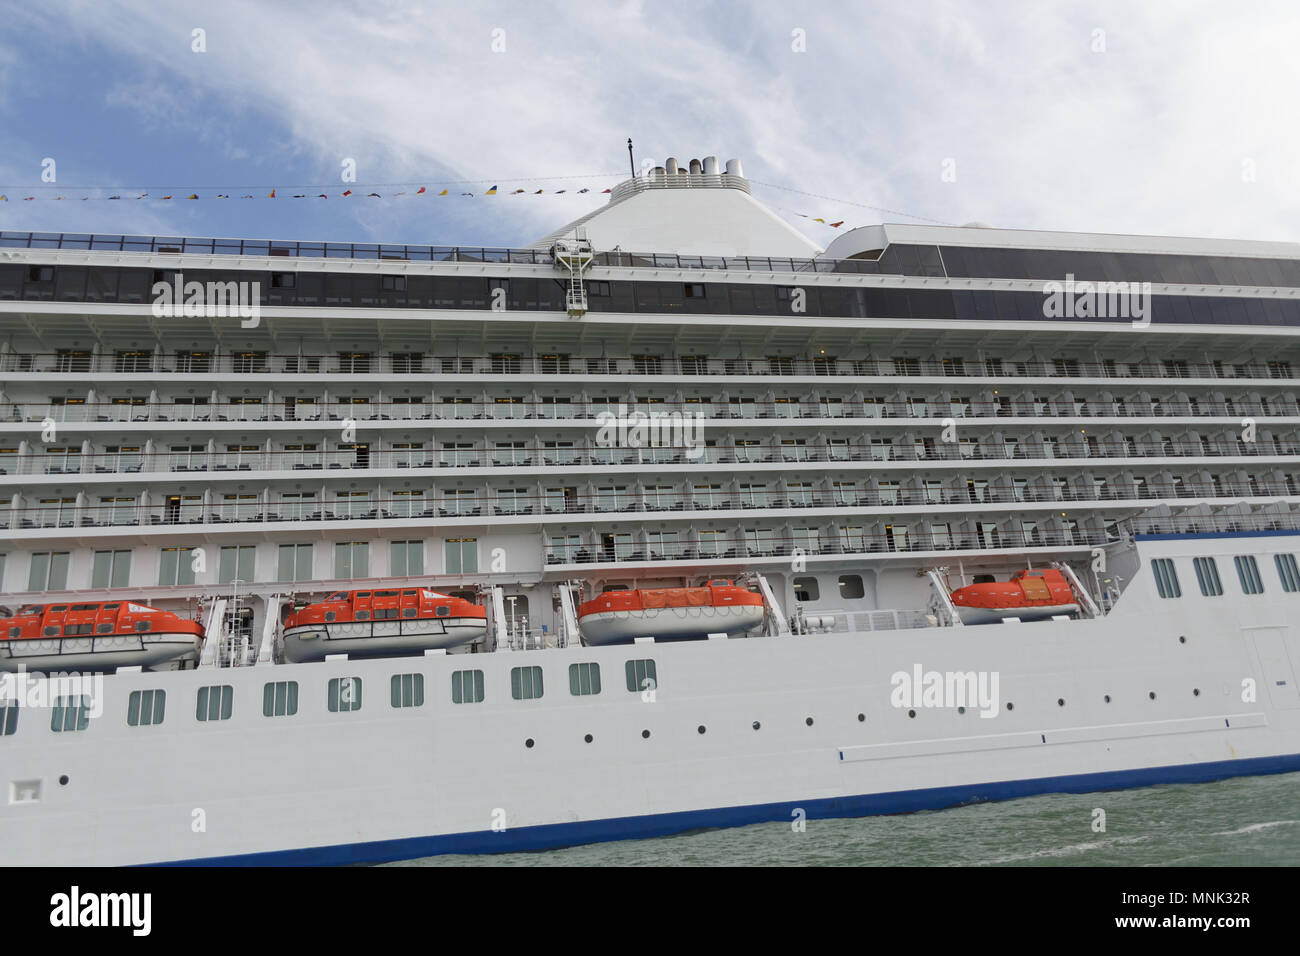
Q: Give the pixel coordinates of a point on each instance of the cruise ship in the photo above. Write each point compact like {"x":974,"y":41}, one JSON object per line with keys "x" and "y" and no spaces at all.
{"x":669,"y":519}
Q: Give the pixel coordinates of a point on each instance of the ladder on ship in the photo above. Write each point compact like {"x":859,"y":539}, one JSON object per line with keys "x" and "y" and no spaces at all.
{"x":574,"y":254}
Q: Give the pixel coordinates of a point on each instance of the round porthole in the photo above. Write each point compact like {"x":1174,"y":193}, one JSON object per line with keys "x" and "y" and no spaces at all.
{"x":1010,"y":706}
{"x":1060,"y":702}
{"x":63,"y":780}
{"x":700,"y":729}
{"x":528,"y":742}
{"x":961,"y":710}
{"x":645,"y":735}
{"x":1196,"y":692}
{"x":1182,"y":638}
{"x":587,"y":738}
{"x":809,"y":721}
{"x":757,"y":725}
{"x":911,"y":713}
{"x":1152,"y":695}
{"x":1107,"y":698}
{"x":862,"y":718}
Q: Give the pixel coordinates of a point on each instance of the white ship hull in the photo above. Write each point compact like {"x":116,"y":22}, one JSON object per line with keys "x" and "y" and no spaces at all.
{"x":365,"y":639}
{"x":668,"y":624}
{"x":735,"y":731}
{"x":96,"y":653}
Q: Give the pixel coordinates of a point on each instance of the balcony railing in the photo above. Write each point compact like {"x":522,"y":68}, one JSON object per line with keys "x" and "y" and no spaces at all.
{"x":526,"y":410}
{"x":397,"y":366}
{"x":163,"y":460}
{"x":483,"y":502}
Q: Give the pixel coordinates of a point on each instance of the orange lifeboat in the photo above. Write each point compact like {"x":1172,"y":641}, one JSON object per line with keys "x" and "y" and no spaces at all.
{"x":378,"y":623}
{"x":1028,"y":595}
{"x":720,"y":607}
{"x":98,"y":636}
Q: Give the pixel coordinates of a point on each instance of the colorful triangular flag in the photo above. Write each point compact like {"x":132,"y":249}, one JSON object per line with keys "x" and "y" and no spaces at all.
{"x":271,"y":194}
{"x":491,"y":192}
{"x":420,"y":191}
{"x":836,"y":225}
{"x":443,"y":193}
{"x":603,"y":191}
{"x":347,"y":192}
{"x":192,"y":196}
{"x":584,"y":190}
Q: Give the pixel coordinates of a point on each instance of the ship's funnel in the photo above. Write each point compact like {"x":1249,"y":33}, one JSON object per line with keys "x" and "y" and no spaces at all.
{"x":733,"y":168}
{"x":711,"y":165}
{"x":670,"y":164}
{"x":695,"y":167}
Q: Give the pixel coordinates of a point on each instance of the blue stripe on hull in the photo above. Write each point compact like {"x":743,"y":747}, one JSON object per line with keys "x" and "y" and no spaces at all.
{"x":556,"y":835}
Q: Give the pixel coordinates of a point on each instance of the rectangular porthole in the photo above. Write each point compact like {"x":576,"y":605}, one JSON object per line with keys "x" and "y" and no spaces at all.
{"x":1287,"y":572}
{"x":344,"y":694}
{"x":1207,"y":576}
{"x":215,"y":702}
{"x":1166,"y":578}
{"x":584,"y":679}
{"x":467,"y":687}
{"x":145,"y":708}
{"x":1248,"y":574}
{"x":526,"y":683}
{"x":280,"y":698}
{"x":641,"y":676}
{"x":407,"y":690}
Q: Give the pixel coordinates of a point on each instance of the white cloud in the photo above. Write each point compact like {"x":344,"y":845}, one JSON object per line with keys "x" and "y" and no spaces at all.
{"x":1148,"y":136}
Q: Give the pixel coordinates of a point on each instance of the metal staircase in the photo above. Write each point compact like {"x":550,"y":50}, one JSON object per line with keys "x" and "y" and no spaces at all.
{"x":574,"y":255}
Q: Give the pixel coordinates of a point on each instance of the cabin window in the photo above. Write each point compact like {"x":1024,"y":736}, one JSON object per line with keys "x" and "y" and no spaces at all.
{"x":142,"y":626}
{"x":352,"y":559}
{"x":362,"y":615}
{"x":49,"y":571}
{"x":851,"y":586}
{"x":1166,"y":578}
{"x":467,"y":687}
{"x":410,"y":611}
{"x":105,"y":628}
{"x":525,"y":683}
{"x":805,"y":589}
{"x":295,"y":565}
{"x":70,"y":713}
{"x":8,"y":718}
{"x":145,"y":708}
{"x":407,"y":558}
{"x":1288,"y":572}
{"x":111,"y":569}
{"x":215,"y":702}
{"x":641,"y":676}
{"x":408,"y":690}
{"x":442,"y":610}
{"x":461,"y":555}
{"x":280,"y":698}
{"x":1248,"y":573}
{"x":52,"y":631}
{"x":15,"y":632}
{"x":584,"y":679}
{"x":175,"y":567}
{"x":344,"y":694}
{"x":236,"y":564}
{"x":1207,"y":576}
{"x":385,"y":613}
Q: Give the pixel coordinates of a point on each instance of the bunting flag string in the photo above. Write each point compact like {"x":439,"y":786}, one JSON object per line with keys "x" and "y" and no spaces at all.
{"x":372,"y":191}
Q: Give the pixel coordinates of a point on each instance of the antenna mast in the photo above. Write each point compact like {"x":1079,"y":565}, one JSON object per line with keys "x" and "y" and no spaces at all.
{"x":630,"y":161}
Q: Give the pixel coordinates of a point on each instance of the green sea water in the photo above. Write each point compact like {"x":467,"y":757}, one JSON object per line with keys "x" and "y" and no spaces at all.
{"x":1247,"y":821}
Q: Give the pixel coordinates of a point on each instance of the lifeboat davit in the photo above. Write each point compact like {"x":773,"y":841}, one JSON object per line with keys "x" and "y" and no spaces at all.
{"x":95,"y":637}
{"x":670,"y":613}
{"x":1028,"y":595}
{"x":381,"y":623}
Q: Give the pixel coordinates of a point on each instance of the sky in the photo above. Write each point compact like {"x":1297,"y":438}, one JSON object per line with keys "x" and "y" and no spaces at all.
{"x":1156,"y":118}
